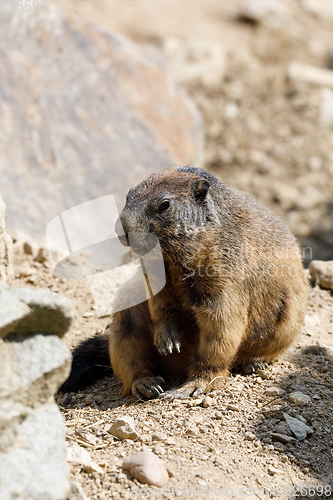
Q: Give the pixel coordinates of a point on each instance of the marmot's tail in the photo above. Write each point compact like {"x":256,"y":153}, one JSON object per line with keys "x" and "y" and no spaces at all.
{"x":91,"y":361}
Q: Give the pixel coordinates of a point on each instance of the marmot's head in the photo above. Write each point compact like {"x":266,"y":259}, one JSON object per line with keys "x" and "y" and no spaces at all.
{"x":173,"y":204}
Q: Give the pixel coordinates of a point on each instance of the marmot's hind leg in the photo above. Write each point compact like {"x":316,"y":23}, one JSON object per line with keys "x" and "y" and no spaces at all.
{"x":134,"y":357}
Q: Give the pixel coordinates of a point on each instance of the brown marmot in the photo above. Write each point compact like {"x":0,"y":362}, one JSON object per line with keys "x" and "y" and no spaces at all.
{"x":235,"y":291}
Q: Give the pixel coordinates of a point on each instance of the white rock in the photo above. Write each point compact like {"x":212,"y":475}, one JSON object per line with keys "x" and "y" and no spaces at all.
{"x":196,"y":61}
{"x":320,"y":8}
{"x":326,"y":108}
{"x":249,"y":436}
{"x":322,"y":273}
{"x":298,"y":398}
{"x":147,"y":468}
{"x":310,"y":74}
{"x":123,"y":428}
{"x":274,"y":391}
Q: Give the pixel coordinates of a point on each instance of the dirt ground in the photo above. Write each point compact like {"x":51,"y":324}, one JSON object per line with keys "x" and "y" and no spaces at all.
{"x":221,"y":446}
{"x":263,"y":137}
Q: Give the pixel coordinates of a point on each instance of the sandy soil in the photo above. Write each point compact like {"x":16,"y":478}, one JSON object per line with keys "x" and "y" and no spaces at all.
{"x":223,"y":442}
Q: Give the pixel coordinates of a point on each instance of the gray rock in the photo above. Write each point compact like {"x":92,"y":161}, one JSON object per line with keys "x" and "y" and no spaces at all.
{"x":6,"y":248}
{"x":322,"y":272}
{"x":24,"y":311}
{"x":35,"y":467}
{"x":32,"y":370}
{"x":298,"y":428}
{"x":298,"y":398}
{"x":123,"y":428}
{"x":283,"y":437}
{"x":107,"y":114}
{"x":76,"y":492}
{"x":147,"y":468}
{"x":12,"y":313}
{"x":274,"y":391}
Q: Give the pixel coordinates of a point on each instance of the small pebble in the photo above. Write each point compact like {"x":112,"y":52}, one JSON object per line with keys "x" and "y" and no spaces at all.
{"x":298,"y":398}
{"x":274,"y":391}
{"x":207,"y":401}
{"x":249,"y":436}
{"x":123,"y":428}
{"x":272,"y":470}
{"x":90,"y":399}
{"x":88,"y":314}
{"x":232,"y":407}
{"x":147,"y":468}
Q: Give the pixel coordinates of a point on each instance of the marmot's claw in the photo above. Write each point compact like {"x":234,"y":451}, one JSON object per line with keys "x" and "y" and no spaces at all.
{"x":148,"y":387}
{"x":168,"y":340}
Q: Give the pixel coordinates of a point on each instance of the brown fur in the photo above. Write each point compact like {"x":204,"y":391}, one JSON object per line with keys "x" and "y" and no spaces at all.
{"x":235,"y":292}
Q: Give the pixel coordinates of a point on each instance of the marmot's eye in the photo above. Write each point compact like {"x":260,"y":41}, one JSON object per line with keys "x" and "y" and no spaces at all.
{"x":164,"y":206}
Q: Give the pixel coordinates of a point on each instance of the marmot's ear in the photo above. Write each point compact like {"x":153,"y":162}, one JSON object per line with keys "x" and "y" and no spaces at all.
{"x":200,"y":189}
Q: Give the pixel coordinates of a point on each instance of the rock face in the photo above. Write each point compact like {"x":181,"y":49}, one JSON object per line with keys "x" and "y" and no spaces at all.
{"x":6,"y":269}
{"x":33,"y":463}
{"x":84,"y":113}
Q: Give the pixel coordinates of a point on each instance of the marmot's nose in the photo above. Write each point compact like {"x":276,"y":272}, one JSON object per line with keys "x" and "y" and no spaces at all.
{"x":121,"y":231}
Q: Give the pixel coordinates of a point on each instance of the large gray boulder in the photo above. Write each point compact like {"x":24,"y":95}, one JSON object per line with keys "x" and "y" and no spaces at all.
{"x":6,"y":250}
{"x":93,"y":114}
{"x":33,"y":463}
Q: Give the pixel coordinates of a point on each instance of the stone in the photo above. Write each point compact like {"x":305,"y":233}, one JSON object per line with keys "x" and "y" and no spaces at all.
{"x":298,"y":398}
{"x":272,"y":470}
{"x":33,"y":369}
{"x":283,"y":438}
{"x":194,"y":61}
{"x":126,"y":118}
{"x":249,"y":436}
{"x":12,"y":313}
{"x":147,"y":468}
{"x":263,"y":11}
{"x":6,"y":248}
{"x":123,"y":428}
{"x":298,"y":428}
{"x":159,"y":436}
{"x":232,"y":407}
{"x":207,"y":401}
{"x":278,"y":446}
{"x":76,"y":492}
{"x":274,"y":391}
{"x":320,"y":8}
{"x":322,"y":272}
{"x":36,"y":311}
{"x":41,"y":256}
{"x":283,"y":428}
{"x":326,"y":108}
{"x":310,"y":74}
{"x":35,"y":465}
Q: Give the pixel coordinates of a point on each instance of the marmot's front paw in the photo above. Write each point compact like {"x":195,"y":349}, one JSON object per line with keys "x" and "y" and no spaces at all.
{"x":148,"y":387}
{"x":168,"y":339}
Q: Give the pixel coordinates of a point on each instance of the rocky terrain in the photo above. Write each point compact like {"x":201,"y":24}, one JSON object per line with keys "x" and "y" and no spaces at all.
{"x":261,"y":74}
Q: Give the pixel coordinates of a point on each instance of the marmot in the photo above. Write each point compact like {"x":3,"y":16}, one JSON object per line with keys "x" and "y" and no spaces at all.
{"x":235,"y":291}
